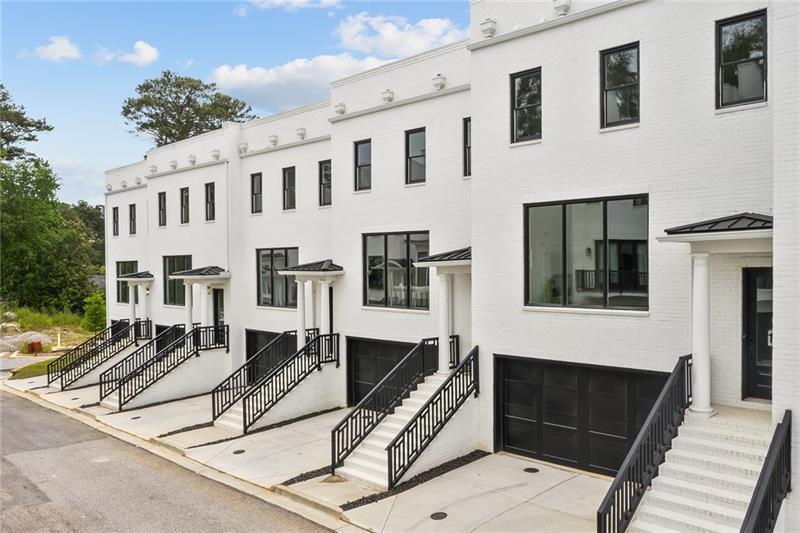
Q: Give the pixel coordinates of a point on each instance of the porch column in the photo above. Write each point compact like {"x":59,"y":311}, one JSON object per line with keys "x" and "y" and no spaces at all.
{"x":145,"y":307}
{"x":444,"y":323}
{"x":132,"y":299}
{"x":301,"y":313}
{"x":325,"y":307}
{"x":204,"y":305}
{"x":701,"y":339}
{"x":187,"y":291}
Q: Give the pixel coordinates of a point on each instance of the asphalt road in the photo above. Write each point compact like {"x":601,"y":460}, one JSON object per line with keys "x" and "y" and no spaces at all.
{"x":60,"y":475}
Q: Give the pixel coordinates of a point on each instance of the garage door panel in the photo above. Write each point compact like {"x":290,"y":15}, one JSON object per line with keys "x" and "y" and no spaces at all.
{"x":560,"y":443}
{"x":560,"y":407}
{"x":606,"y":452}
{"x":521,"y":434}
{"x":369,"y":361}
{"x":607,"y":414}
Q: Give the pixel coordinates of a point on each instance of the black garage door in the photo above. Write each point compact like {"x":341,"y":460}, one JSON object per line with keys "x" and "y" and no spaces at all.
{"x":166,"y":340}
{"x":368,"y":361}
{"x":255,"y":340}
{"x":582,"y":416}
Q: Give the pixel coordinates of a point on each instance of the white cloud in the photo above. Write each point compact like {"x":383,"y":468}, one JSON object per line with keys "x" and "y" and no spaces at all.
{"x":240,"y":10}
{"x":395,"y":36}
{"x":59,"y":49}
{"x":295,"y":83}
{"x":143,"y":54}
{"x":189,"y":63}
{"x":294,"y":5}
{"x":104,"y":55}
{"x":79,"y":180}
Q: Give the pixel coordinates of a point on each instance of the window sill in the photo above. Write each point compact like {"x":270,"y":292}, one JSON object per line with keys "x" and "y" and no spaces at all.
{"x":173,"y":306}
{"x":210,"y":221}
{"x":621,"y":127}
{"x":256,"y":214}
{"x":525,"y":143}
{"x":363,"y":191}
{"x":324,"y":206}
{"x":586,"y":311}
{"x":415,"y":184}
{"x":740,"y":107}
{"x":289,"y":210}
{"x":183,"y":224}
{"x":276,"y":308}
{"x":466,"y":178}
{"x":396,"y":310}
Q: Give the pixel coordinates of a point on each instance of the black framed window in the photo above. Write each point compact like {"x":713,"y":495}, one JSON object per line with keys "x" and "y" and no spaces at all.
{"x":211,"y":209}
{"x":255,"y":193}
{"x":415,"y":156}
{"x":162,"y":209}
{"x":587,"y":253}
{"x":526,"y":105}
{"x":123,"y":289}
{"x":184,"y":205}
{"x":363,"y":164}
{"x":132,"y":219}
{"x":115,"y":221}
{"x":390,"y":277}
{"x":289,"y":189}
{"x":619,"y":78}
{"x":276,"y":290}
{"x":467,"y":153}
{"x":741,"y":44}
{"x":173,"y":288}
{"x":325,"y":182}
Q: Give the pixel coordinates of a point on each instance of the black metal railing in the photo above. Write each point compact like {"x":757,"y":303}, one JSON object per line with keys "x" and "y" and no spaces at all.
{"x":287,"y":375}
{"x":55,"y":367}
{"x":384,"y":397}
{"x":166,"y":360}
{"x":774,"y":481}
{"x":455,"y":351}
{"x":431,"y":418}
{"x":123,"y":338}
{"x":110,"y":378}
{"x":647,"y":452}
{"x":258,"y":366}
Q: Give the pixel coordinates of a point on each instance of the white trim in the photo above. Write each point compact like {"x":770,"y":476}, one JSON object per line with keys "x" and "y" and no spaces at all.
{"x":621,"y":127}
{"x":203,"y":279}
{"x":291,"y":112}
{"x":718,"y":236}
{"x":586,"y":311}
{"x":315,"y":274}
{"x":437,"y":264}
{"x":279,"y":147}
{"x":117,"y":191}
{"x":741,"y":107}
{"x":184,"y":169}
{"x":396,"y":310}
{"x":400,"y":103}
{"x":525,"y":143}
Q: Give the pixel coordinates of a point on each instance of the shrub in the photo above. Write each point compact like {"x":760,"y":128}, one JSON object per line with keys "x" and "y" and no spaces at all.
{"x":95,"y":317}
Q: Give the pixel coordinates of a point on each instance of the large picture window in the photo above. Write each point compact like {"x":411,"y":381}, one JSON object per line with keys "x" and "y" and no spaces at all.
{"x":587,"y":253}
{"x":325,"y":183}
{"x":289,"y":189}
{"x":526,"y":105}
{"x":415,"y":156}
{"x":123,"y":289}
{"x":390,"y":277}
{"x":742,"y":59}
{"x":276,"y":290}
{"x":173,"y":288}
{"x":255,"y":193}
{"x":363,"y":165}
{"x":184,"y":205}
{"x":620,"y":82}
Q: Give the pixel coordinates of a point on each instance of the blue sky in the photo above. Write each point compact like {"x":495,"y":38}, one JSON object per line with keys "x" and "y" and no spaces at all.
{"x":75,"y":62}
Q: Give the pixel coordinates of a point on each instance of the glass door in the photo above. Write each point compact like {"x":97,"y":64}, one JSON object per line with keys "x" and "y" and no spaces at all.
{"x":757,"y":334}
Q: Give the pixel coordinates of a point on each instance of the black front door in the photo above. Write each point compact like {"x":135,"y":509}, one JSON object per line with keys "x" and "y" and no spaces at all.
{"x":219,"y":315}
{"x":757,"y":333}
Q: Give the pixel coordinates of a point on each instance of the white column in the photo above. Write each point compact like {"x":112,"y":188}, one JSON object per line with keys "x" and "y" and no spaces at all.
{"x":143,"y":300}
{"x":444,"y":323}
{"x":301,"y":313}
{"x":187,"y":291}
{"x":325,"y":307}
{"x":312,"y":304}
{"x":132,"y":300}
{"x":701,"y":336}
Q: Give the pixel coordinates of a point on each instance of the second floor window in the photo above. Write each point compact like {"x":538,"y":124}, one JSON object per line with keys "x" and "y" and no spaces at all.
{"x":289,"y":198}
{"x":115,"y":221}
{"x":132,"y":219}
{"x":210,"y":202}
{"x":276,"y":290}
{"x":467,"y":146}
{"x":123,"y":289}
{"x":255,"y":193}
{"x":620,"y":82}
{"x":185,"y":205}
{"x":173,"y":288}
{"x":415,"y":156}
{"x":363,"y":165}
{"x":742,"y":59}
{"x":325,"y":182}
{"x":162,"y":209}
{"x":390,"y":277}
{"x":526,"y":105}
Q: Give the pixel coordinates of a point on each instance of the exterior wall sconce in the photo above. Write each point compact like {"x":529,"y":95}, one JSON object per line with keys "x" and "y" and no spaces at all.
{"x":138,"y":180}
{"x":108,"y":187}
{"x":301,"y":133}
{"x":388,"y":96}
{"x":153,"y":169}
{"x":340,"y":108}
{"x":439,"y":82}
{"x":147,"y":291}
{"x":124,"y":184}
{"x":215,"y":154}
{"x":488,"y":27}
{"x":561,"y":7}
{"x":273,"y":140}
{"x":192,"y":160}
{"x":173,"y":164}
{"x":242,"y":148}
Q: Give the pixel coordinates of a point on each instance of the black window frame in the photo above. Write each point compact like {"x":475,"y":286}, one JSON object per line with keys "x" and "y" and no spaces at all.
{"x":564,"y":254}
{"x":256,"y":197}
{"x":184,"y":205}
{"x":131,"y":219}
{"x":162,"y":209}
{"x":514,"y":108}
{"x":325,"y":186}
{"x":466,"y":150}
{"x":211,"y":206}
{"x":365,"y":274}
{"x":115,"y":221}
{"x":604,"y":123}
{"x":123,"y":288}
{"x":718,"y":26}
{"x":174,"y":287}
{"x":410,"y":158}
{"x":357,"y":168}
{"x":289,"y":282}
{"x":289,"y":193}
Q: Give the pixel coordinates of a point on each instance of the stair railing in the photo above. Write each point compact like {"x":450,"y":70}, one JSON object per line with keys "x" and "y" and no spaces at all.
{"x":430,"y":419}
{"x":55,"y":367}
{"x":647,"y":452}
{"x":774,"y":481}
{"x":109,"y":379}
{"x":287,"y":375}
{"x":455,"y":351}
{"x":384,"y":397}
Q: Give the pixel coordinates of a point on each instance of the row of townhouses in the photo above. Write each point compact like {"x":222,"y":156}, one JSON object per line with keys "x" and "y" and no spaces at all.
{"x":549,"y":239}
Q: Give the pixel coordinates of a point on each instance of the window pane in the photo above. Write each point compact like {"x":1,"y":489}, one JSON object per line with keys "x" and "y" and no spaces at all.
{"x":291,"y":260}
{"x":419,"y":246}
{"x":622,"y":67}
{"x":416,"y":143}
{"x":364,"y":178}
{"x":544,"y":255}
{"x":743,"y":39}
{"x":265,"y":278}
{"x":528,"y":122}
{"x":585,"y":257}
{"x":396,"y":270}
{"x":622,"y":104}
{"x":278,"y":282}
{"x":627,"y":253}
{"x":416,"y":169}
{"x":527,"y":89}
{"x":364,"y":153}
{"x":743,"y":81}
{"x":375,"y":266}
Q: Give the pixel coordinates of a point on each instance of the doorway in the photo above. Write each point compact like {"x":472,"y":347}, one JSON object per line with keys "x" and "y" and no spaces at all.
{"x":757,"y":333}
{"x":218,"y":297}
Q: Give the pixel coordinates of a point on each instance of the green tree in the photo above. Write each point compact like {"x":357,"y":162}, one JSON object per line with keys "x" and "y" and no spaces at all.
{"x":94,"y":318}
{"x":92,"y":218}
{"x":17,"y":127}
{"x":172,"y":108}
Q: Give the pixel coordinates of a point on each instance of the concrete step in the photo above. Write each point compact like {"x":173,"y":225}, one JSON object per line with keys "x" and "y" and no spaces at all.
{"x":111,"y":401}
{"x":365,"y":466}
{"x":712,"y":481}
{"x":722,"y":433}
{"x":379,"y":458}
{"x":746,"y":453}
{"x":675,"y":520}
{"x":640,"y":526}
{"x":350,"y":473}
{"x":716,"y":514}
{"x":715,"y":464}
{"x":702,"y":493}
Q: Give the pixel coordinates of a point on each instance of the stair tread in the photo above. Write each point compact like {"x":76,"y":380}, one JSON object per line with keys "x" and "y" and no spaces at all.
{"x":724,"y":432}
{"x":721,"y":476}
{"x":649,"y":527}
{"x":686,"y":519}
{"x":364,"y":476}
{"x":688,"y":485}
{"x":697,"y":504}
{"x":725,"y":461}
{"x":362,"y":453}
{"x":727,"y":446}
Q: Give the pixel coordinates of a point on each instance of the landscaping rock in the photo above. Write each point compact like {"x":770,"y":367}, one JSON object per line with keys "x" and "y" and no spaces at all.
{"x":14,"y":342}
{"x":9,"y":316}
{"x":9,"y":328}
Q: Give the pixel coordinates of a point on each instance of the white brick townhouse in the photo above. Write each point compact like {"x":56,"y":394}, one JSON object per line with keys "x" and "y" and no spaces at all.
{"x":550,"y":239}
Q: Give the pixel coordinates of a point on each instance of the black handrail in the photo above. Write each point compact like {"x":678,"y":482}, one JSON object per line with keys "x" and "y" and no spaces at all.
{"x":287,"y":375}
{"x":56,"y":366}
{"x":431,"y":418}
{"x":455,"y":351}
{"x":774,"y":481}
{"x":647,"y":452}
{"x":384,"y":397}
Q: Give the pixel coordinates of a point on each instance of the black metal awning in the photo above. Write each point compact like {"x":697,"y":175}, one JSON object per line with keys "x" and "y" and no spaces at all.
{"x":144,"y":274}
{"x":198,"y":272}
{"x":462,"y":254}
{"x":739,"y":222}
{"x":326,"y":265}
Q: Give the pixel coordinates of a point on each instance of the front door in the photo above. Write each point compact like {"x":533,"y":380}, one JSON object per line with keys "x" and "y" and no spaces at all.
{"x":757,"y":334}
{"x":219,"y":315}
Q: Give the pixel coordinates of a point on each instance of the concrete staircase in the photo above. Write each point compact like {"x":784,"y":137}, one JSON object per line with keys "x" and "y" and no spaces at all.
{"x":232,"y":419}
{"x":708,"y":477}
{"x":111,"y":401}
{"x":369,"y":461}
